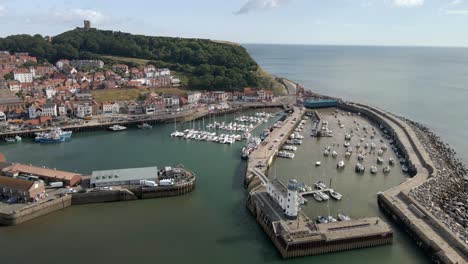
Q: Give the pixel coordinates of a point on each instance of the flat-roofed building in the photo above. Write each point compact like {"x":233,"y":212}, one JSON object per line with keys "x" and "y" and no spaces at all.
{"x":48,"y":175}
{"x":21,"y":190}
{"x":133,"y":176}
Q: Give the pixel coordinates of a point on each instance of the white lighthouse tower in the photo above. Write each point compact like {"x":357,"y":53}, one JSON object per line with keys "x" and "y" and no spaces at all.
{"x":292,"y":200}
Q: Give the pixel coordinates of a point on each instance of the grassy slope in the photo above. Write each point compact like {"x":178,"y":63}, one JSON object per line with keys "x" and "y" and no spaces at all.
{"x":266,"y":80}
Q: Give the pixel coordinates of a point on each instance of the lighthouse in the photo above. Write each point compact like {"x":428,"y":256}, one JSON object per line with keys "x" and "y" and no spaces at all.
{"x":292,"y":200}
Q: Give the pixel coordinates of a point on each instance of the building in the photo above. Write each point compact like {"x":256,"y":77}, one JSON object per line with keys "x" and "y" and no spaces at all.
{"x":2,"y":117}
{"x":110,"y":108}
{"x":62,"y":63}
{"x":78,"y":64}
{"x":87,"y":25}
{"x":49,"y":109}
{"x":83,"y":110}
{"x":123,"y":177}
{"x":171,"y":101}
{"x":286,"y":197}
{"x":23,"y":75}
{"x":45,"y":174}
{"x":193,"y":97}
{"x":320,"y":103}
{"x":21,"y":190}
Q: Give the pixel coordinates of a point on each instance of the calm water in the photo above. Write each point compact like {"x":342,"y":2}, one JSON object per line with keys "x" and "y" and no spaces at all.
{"x":428,"y":85}
{"x":210,"y":225}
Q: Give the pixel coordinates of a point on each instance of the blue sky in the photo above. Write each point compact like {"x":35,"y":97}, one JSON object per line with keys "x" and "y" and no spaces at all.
{"x":342,"y":22}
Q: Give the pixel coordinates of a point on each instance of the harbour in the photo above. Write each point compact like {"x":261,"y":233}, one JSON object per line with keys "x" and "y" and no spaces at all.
{"x":213,"y":182}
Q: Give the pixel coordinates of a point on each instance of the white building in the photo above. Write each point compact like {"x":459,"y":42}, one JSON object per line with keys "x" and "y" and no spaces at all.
{"x":164,"y":72}
{"x":193,"y":97}
{"x":23,"y":76}
{"x":83,"y":110}
{"x":14,"y":87}
{"x":150,"y":109}
{"x":123,"y":177}
{"x":62,"y":63}
{"x":286,"y":197}
{"x":110,"y":108}
{"x":50,"y":92}
{"x":49,"y":109}
{"x":32,"y":112}
{"x":171,"y":101}
{"x":62,"y":110}
{"x":2,"y":117}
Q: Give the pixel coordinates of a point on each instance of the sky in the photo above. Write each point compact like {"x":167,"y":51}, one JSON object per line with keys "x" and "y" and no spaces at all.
{"x":335,"y":22}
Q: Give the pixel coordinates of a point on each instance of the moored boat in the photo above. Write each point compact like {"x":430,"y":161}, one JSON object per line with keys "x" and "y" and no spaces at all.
{"x":343,"y":217}
{"x":335,"y":195}
{"x":116,"y":128}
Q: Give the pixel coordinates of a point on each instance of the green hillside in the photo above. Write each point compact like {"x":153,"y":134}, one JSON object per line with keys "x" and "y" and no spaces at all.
{"x":205,"y":64}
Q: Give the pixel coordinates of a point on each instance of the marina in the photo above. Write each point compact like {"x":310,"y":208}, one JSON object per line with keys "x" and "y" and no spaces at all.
{"x":220,"y":185}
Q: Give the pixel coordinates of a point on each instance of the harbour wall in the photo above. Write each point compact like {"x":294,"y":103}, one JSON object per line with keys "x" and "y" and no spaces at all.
{"x":34,"y":211}
{"x":407,"y":211}
{"x":152,"y":120}
{"x":103,"y":197}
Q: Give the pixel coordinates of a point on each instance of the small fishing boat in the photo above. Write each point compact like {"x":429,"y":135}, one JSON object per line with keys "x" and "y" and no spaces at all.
{"x":335,"y":195}
{"x":317,"y":197}
{"x":318,"y":163}
{"x":360,"y":157}
{"x":334,"y":154}
{"x":386,"y":169}
{"x":326,"y":153}
{"x":331,"y":219}
{"x":404,"y":168}
{"x":322,"y":219}
{"x":391,"y":161}
{"x":373,"y":170}
{"x":340,"y":164}
{"x":343,"y":217}
{"x":320,"y":185}
{"x":360,"y":168}
{"x":145,"y":126}
{"x":323,"y":195}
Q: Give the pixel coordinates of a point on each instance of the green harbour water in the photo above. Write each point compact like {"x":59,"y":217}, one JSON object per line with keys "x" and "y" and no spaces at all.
{"x":209,"y":225}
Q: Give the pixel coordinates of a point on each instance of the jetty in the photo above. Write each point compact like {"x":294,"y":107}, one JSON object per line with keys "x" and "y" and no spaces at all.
{"x":266,"y":151}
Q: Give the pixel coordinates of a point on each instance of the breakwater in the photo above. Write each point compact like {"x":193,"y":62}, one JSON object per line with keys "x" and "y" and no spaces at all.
{"x":129,"y":194}
{"x":429,"y":232}
{"x":441,"y":232}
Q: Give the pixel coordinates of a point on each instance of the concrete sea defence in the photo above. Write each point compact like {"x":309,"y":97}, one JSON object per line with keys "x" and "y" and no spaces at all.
{"x":130,"y":194}
{"x":34,"y":211}
{"x":430,"y":233}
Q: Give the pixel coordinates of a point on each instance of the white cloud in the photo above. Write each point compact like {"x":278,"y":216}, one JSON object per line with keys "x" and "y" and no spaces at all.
{"x":76,"y":15}
{"x":461,"y":12}
{"x":252,"y":5}
{"x":456,"y":2}
{"x":408,"y":3}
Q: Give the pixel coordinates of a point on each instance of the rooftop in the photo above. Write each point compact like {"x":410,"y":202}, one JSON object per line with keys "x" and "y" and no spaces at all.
{"x":133,"y":174}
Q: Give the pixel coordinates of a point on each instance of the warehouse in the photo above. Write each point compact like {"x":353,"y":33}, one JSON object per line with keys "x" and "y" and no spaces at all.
{"x":45,"y":174}
{"x":123,"y":177}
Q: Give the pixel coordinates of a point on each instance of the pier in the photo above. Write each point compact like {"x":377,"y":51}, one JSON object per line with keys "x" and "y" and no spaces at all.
{"x":265,"y":152}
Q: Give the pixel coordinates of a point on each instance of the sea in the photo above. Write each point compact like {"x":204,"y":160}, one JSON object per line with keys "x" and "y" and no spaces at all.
{"x":426,"y":84}
{"x":212,"y":224}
